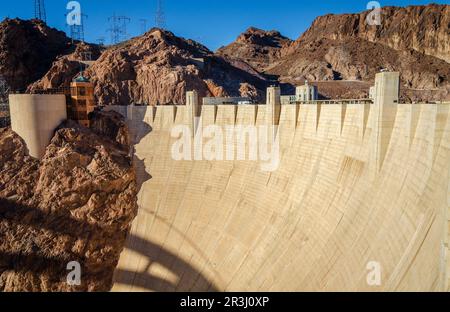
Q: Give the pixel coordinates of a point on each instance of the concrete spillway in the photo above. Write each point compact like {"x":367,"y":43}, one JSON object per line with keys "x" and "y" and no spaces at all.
{"x":357,"y":189}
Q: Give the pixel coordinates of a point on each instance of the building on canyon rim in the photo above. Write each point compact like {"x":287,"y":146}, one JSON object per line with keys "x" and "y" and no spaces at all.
{"x":81,"y":101}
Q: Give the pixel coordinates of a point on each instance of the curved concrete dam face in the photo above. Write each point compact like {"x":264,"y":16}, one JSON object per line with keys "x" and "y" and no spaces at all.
{"x":359,"y":202}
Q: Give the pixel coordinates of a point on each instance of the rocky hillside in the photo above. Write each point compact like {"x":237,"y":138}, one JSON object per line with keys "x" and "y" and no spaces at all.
{"x":27,"y":50}
{"x":65,"y":67}
{"x":158,"y":68}
{"x":425,"y":29}
{"x":413,"y":40}
{"x":257,"y":47}
{"x":76,"y":204}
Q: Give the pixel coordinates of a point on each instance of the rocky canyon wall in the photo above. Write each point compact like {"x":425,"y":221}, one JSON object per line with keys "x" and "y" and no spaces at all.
{"x":76,"y":204}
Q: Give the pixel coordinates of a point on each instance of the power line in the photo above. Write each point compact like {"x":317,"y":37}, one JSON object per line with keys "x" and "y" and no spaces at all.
{"x":118,"y":28}
{"x":39,"y":10}
{"x":160,"y":18}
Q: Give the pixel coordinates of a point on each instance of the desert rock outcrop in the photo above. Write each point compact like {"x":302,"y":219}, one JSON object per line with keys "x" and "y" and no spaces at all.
{"x":76,"y":204}
{"x":257,"y":47}
{"x":424,"y":29}
{"x":28,"y":49}
{"x":158,"y":68}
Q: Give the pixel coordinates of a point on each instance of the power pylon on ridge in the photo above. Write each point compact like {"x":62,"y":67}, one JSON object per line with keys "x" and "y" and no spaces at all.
{"x":143,"y":25}
{"x":160,"y":18}
{"x":118,"y":28}
{"x":77,"y":31}
{"x":39,"y":10}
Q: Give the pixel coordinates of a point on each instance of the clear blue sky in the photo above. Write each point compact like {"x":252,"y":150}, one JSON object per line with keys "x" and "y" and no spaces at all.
{"x":212,"y":22}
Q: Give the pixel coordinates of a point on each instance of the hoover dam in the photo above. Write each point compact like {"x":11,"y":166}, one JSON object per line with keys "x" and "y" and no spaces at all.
{"x":359,"y":186}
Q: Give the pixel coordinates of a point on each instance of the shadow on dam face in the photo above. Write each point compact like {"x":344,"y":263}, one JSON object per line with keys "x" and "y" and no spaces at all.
{"x":151,"y":253}
{"x":147,"y":281}
{"x":316,"y":224}
{"x":47,"y":245}
{"x":138,"y":131}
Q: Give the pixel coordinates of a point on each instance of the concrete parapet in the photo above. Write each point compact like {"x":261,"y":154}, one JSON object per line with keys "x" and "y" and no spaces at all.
{"x":34,"y":117}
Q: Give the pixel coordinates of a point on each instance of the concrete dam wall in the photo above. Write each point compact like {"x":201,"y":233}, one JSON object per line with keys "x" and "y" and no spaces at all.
{"x":313,"y":224}
{"x":359,"y":202}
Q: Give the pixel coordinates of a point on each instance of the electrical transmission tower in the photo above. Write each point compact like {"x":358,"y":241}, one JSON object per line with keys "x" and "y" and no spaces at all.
{"x":77,"y":31}
{"x":118,"y":28}
{"x":143,"y":25}
{"x":39,"y":10}
{"x":160,"y":18}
